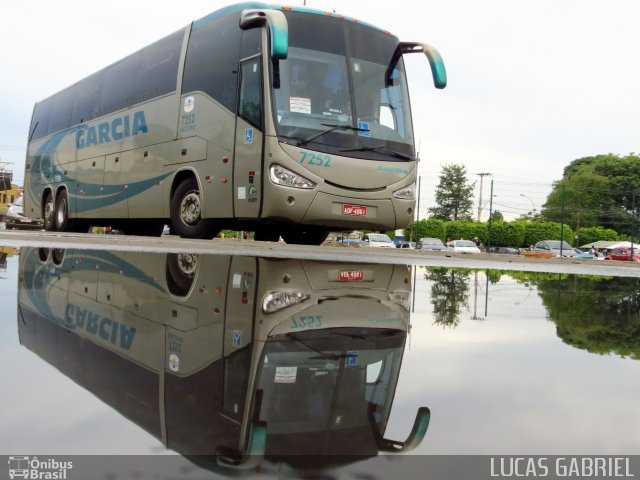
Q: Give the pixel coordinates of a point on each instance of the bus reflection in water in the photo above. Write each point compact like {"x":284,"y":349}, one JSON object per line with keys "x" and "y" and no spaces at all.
{"x":234,"y":362}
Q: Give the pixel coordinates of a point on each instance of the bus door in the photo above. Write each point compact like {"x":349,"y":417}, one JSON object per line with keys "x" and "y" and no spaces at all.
{"x":247,"y":167}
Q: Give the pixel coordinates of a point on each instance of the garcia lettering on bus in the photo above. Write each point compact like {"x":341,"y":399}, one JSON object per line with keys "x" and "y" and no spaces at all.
{"x":105,"y":328}
{"x":115,"y":130}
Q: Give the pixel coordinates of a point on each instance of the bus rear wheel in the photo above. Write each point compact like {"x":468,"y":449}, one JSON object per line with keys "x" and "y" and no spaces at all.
{"x":48,"y":213}
{"x":186,"y":212}
{"x":305,"y":235}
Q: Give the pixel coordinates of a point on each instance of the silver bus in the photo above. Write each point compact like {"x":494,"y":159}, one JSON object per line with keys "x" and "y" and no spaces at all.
{"x":234,"y":361}
{"x":285,"y":121}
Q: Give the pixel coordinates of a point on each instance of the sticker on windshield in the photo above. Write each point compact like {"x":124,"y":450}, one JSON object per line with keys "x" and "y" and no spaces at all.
{"x":285,"y":375}
{"x":300,"y":105}
{"x":364,"y":129}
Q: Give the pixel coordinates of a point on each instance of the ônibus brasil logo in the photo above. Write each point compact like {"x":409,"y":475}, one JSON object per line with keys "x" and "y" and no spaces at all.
{"x":33,"y":468}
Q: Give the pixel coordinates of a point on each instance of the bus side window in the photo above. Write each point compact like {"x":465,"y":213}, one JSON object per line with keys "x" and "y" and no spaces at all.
{"x":251,"y":92}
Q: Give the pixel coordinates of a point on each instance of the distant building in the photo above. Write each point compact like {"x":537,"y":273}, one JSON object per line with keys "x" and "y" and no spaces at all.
{"x":7,"y":197}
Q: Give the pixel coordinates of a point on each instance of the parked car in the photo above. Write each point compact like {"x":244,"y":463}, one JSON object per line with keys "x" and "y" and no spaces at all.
{"x":624,"y":254}
{"x":555,"y":247}
{"x":586,"y":255}
{"x":408,"y":245}
{"x":463,"y":246}
{"x":381,"y":240}
{"x":429,"y":243}
{"x":16,"y":219}
{"x":504,"y":250}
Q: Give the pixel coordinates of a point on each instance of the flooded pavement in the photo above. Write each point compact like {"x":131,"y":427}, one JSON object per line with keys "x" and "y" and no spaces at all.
{"x":305,"y":367}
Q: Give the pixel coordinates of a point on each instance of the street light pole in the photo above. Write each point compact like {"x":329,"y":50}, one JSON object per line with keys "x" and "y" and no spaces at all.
{"x":481,"y":175}
{"x":533,"y":208}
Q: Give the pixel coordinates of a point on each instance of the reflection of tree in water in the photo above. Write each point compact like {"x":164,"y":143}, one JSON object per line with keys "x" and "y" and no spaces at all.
{"x":600,"y":315}
{"x":449,"y":292}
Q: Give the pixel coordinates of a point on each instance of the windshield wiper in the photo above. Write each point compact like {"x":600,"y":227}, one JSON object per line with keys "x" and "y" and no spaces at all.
{"x":304,"y":141}
{"x":380,"y":148}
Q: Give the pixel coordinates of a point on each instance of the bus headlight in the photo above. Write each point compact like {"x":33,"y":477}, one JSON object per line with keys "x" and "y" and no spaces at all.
{"x":281,"y":176}
{"x":406,"y":193}
{"x":274,"y":301}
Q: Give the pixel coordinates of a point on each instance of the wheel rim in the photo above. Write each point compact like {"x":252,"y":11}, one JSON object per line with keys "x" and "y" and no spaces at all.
{"x":190,"y":208}
{"x":188,"y":263}
{"x":61,"y":213}
{"x":48,"y":211}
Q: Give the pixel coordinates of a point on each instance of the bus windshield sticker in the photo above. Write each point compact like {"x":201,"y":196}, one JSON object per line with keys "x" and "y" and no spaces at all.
{"x":300,"y":105}
{"x":248,"y":135}
{"x":189,"y":104}
{"x":352,"y":358}
{"x":285,"y":375}
{"x":364,"y":129}
{"x":174,"y":362}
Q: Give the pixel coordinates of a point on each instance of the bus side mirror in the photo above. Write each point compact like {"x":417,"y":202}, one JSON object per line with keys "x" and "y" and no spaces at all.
{"x":435,"y":61}
{"x":278,"y":28}
{"x":419,"y":430}
{"x":254,"y":453}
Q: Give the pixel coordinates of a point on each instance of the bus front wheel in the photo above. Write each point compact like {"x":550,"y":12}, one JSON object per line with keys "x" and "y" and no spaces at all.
{"x":186,"y":212}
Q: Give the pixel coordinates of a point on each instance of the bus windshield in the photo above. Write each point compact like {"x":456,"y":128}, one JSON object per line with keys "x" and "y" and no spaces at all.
{"x":314,"y":381}
{"x":334,"y":94}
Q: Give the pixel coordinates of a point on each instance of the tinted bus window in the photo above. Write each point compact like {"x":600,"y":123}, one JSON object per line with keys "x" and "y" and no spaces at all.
{"x":40,"y":120}
{"x":212,"y":60}
{"x":85,"y":106}
{"x":251,"y":92}
{"x":159,"y":70}
{"x":60,"y":115}
{"x":251,"y":42}
{"x":119,"y":85}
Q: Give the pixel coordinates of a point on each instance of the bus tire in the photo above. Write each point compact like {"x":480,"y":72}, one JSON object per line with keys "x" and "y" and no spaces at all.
{"x":63,"y":223}
{"x":305,"y":235}
{"x":186,"y":209}
{"x":180,"y":272}
{"x":49,"y":213}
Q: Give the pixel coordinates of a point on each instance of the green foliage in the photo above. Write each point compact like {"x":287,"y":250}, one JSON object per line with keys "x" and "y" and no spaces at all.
{"x":593,"y":234}
{"x":453,"y":195}
{"x":496,"y":216}
{"x":431,"y":228}
{"x":507,"y":234}
{"x":600,"y":315}
{"x":597,"y":191}
{"x":536,"y":231}
{"x":449,"y":293}
{"x":466,"y":229}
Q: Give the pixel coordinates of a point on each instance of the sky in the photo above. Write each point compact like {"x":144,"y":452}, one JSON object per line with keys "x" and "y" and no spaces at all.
{"x":532,"y":85}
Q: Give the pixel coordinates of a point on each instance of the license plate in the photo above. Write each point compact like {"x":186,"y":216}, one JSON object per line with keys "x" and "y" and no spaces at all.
{"x":351,"y":276}
{"x":358,"y":210}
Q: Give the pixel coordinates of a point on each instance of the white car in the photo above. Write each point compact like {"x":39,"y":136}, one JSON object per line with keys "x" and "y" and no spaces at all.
{"x":16,"y":219}
{"x":463,"y":246}
{"x":380,"y":240}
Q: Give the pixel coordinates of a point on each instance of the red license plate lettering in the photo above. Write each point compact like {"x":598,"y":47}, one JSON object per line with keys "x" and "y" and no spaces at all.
{"x":358,"y":210}
{"x":351,"y":276}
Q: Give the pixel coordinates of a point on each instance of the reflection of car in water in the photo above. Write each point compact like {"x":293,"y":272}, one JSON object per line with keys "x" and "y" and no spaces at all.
{"x":228,"y":360}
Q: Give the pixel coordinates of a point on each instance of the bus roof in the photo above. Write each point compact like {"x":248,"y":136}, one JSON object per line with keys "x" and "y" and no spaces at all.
{"x":249,"y":5}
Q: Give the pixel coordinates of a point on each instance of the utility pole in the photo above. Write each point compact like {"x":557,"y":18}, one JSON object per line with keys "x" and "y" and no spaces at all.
{"x":481,"y":175}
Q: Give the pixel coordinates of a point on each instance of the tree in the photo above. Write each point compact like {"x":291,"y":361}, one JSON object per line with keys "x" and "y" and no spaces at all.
{"x":603,"y":190}
{"x":454,"y":194}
